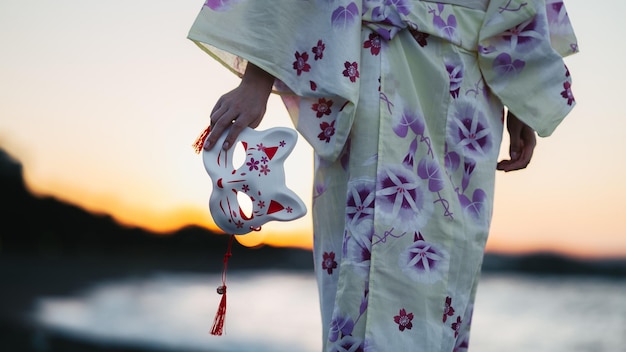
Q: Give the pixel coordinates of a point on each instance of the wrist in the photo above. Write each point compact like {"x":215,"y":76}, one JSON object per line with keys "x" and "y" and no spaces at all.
{"x":257,"y":77}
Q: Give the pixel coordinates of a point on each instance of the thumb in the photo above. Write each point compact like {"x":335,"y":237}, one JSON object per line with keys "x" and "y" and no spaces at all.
{"x":516,"y":146}
{"x":516,"y":143}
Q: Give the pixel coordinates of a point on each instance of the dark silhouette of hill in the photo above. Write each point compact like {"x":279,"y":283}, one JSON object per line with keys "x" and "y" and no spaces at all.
{"x":45,"y":226}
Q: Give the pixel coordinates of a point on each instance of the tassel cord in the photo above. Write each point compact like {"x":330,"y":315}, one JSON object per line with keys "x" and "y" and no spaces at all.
{"x":220,"y":316}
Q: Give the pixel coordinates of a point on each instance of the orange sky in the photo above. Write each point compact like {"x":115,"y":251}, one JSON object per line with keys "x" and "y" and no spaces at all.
{"x":102,"y":101}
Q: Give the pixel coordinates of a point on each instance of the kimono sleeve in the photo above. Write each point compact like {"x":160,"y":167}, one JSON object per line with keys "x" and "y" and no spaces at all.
{"x":306,"y":45}
{"x":521,"y":50}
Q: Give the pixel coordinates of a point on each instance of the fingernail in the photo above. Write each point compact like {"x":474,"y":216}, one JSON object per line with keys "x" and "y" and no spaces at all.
{"x":225,"y":145}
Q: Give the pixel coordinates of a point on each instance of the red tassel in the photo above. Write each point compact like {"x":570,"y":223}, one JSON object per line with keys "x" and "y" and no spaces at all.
{"x":197,"y":145}
{"x":220,"y":316}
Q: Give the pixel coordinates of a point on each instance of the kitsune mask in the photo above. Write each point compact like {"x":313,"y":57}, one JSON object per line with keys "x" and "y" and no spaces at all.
{"x":261,"y":177}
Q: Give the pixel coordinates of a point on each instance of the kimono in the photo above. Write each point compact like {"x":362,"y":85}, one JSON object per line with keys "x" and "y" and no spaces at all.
{"x":403,"y":103}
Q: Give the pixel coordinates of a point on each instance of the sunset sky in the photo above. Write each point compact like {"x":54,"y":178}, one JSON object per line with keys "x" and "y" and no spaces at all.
{"x":101,"y":100}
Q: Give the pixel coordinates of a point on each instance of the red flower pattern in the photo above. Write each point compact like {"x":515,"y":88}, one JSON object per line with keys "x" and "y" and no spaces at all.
{"x":301,"y":65}
{"x":328,"y":262}
{"x":457,"y":326}
{"x":328,"y":130}
{"x":373,"y":43}
{"x":318,"y":50}
{"x":404,"y":320}
{"x":351,"y":71}
{"x":322,"y":107}
{"x":448,"y":311}
{"x":567,"y":93}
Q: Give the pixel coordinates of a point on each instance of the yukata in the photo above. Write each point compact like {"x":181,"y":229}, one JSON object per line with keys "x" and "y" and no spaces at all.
{"x":403,"y":103}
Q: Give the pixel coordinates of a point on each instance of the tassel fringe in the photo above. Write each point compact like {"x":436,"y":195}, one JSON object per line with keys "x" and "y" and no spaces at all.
{"x":197,"y":145}
{"x":220,"y":316}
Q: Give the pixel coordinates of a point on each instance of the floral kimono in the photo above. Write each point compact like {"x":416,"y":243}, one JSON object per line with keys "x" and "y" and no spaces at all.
{"x":403,"y":102}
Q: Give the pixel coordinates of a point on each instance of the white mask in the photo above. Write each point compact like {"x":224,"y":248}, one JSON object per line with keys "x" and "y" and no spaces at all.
{"x":261,"y":177}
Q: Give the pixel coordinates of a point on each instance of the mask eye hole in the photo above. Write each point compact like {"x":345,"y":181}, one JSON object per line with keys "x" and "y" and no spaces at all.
{"x":245,"y":205}
{"x":239,"y":155}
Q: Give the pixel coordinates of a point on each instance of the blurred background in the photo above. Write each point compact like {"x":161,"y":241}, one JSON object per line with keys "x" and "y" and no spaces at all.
{"x":106,"y":242}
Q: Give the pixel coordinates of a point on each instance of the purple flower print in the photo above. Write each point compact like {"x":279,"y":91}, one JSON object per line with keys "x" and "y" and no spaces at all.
{"x":264,"y":169}
{"x":424,"y":262}
{"x":301,"y":65}
{"x":343,"y":17}
{"x":348,"y":343}
{"x":455,"y":73}
{"x":448,"y":27}
{"x":556,"y":13}
{"x":253,"y":164}
{"x":409,"y":159}
{"x":429,"y":170}
{"x":318,"y":50}
{"x":504,"y":65}
{"x":220,"y":5}
{"x":402,"y":198}
{"x":340,"y":326}
{"x":407,"y":120}
{"x":389,"y":12}
{"x":404,"y":320}
{"x":469,"y":132}
{"x":351,"y":71}
{"x":402,"y":6}
{"x":525,"y":36}
{"x":328,"y":262}
{"x":328,"y":130}
{"x":360,"y":201}
{"x":468,"y":169}
{"x":462,"y":344}
{"x":358,"y":248}
{"x":322,"y":107}
{"x":452,"y":160}
{"x":475,"y":206}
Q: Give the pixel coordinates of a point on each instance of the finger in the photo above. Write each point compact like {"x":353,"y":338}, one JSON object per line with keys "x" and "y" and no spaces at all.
{"x":219,"y":126}
{"x":515,"y":144}
{"x":237,"y":126}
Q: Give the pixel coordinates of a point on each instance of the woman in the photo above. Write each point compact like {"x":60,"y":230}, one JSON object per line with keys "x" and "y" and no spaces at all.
{"x":403,"y":102}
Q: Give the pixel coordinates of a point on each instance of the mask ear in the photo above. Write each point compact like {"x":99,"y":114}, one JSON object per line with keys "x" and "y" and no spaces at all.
{"x":261,"y":177}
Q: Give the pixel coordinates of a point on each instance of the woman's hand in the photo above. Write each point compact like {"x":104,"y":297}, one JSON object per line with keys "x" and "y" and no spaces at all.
{"x":523,"y":142}
{"x":241,"y":107}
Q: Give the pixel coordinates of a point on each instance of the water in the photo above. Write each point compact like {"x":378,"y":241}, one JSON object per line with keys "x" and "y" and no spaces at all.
{"x":278,"y":311}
